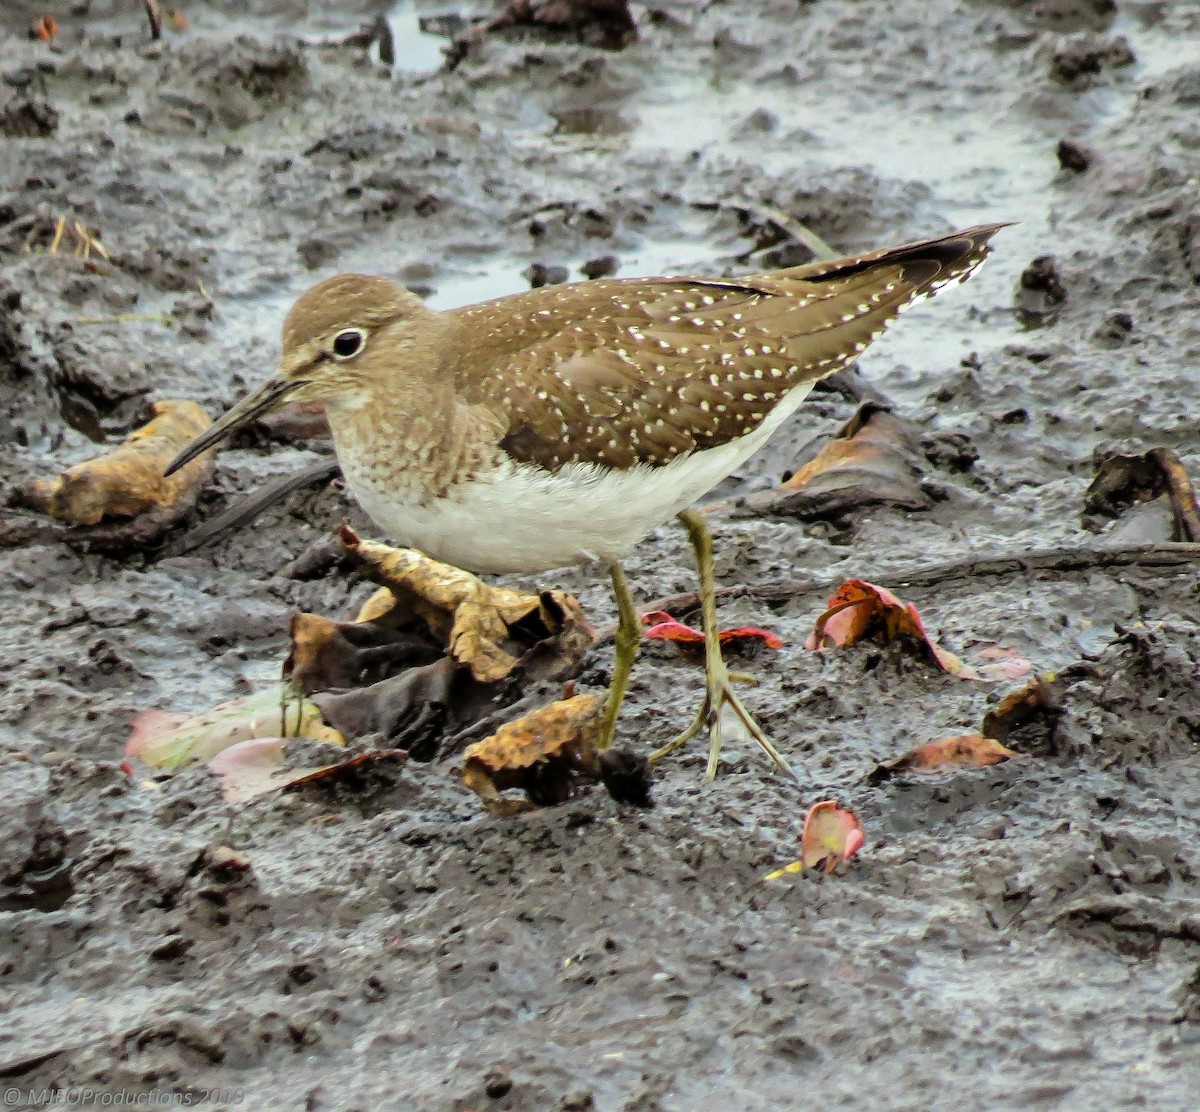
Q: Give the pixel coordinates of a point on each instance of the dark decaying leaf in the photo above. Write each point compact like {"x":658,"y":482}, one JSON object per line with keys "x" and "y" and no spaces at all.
{"x":433,"y":650}
{"x":327,"y":655}
{"x":413,"y":709}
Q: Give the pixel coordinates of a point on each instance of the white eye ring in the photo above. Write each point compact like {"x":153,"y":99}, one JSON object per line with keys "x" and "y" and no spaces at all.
{"x":348,"y":343}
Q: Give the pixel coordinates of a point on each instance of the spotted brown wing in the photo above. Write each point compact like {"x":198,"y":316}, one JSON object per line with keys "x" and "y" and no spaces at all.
{"x":629,"y":371}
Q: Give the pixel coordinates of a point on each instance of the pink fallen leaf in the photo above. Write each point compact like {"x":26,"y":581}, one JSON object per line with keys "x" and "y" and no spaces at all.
{"x":169,"y":741}
{"x":832,"y":834}
{"x":858,"y":609}
{"x":254,"y":767}
{"x":1001,"y":663}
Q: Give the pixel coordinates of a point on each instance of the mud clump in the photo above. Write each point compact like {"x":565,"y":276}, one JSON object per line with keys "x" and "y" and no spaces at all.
{"x":28,"y":119}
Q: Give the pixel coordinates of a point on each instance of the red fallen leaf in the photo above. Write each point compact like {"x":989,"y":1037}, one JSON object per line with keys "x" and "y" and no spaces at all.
{"x":963,"y":751}
{"x":832,"y":834}
{"x":46,"y":28}
{"x":858,"y":609}
{"x":662,"y":627}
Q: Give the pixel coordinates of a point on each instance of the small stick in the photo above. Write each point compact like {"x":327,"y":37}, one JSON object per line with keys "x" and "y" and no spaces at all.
{"x":155,"y":17}
{"x":792,"y":228}
{"x":126,"y":318}
{"x":1181,"y":491}
{"x":1163,"y":555}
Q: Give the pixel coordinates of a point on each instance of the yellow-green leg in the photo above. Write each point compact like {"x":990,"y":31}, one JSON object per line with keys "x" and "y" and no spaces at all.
{"x":717,"y":678}
{"x":628,"y":640}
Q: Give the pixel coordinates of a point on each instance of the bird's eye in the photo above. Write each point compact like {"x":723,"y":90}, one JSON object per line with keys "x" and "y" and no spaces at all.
{"x":348,"y":343}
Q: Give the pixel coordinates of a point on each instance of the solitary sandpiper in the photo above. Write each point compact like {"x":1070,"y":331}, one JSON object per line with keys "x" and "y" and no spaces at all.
{"x":561,"y":425}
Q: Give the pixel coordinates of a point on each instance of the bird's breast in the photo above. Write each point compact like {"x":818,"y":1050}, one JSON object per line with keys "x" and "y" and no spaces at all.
{"x":508,"y":516}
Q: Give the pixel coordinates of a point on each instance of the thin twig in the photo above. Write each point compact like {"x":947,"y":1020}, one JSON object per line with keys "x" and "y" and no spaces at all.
{"x":1164,"y":555}
{"x":245,"y":510}
{"x":155,"y":17}
{"x":791,"y":227}
{"x":126,"y":318}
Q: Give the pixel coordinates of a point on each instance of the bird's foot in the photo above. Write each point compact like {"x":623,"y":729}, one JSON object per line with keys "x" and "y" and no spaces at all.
{"x":719,"y":693}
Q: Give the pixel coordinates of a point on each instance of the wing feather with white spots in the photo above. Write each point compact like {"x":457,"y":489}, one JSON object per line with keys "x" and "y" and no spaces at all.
{"x":626,"y":371}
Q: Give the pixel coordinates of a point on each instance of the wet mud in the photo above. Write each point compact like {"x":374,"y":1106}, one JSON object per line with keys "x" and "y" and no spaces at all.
{"x":1021,"y":936}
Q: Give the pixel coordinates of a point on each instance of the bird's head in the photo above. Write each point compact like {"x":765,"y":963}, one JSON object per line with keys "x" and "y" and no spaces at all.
{"x":341,"y":339}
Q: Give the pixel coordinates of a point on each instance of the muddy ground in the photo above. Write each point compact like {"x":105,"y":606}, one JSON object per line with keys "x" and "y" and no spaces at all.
{"x":1024,"y":936}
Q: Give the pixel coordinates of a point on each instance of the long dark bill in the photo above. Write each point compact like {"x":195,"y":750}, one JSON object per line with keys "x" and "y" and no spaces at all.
{"x":248,"y":409}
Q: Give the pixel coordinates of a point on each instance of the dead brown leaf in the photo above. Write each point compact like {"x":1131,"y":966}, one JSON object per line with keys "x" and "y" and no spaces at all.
{"x":128,"y":481}
{"x":874,"y":460}
{"x":542,"y":754}
{"x":491,"y":630}
{"x":435,"y":649}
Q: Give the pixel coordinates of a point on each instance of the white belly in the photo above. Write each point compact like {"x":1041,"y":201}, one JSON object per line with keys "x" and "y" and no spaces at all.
{"x":524,"y":519}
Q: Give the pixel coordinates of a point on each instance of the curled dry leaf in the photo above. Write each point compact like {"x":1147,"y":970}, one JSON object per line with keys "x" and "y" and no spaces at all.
{"x":489,"y":629}
{"x":858,"y":610}
{"x":832,"y":834}
{"x":169,"y":741}
{"x":1124,"y":481}
{"x":1030,"y":713}
{"x":252,"y":768}
{"x":541,"y":753}
{"x":963,"y":751}
{"x":46,"y":28}
{"x":129,"y":481}
{"x":874,"y":460}
{"x":662,"y":627}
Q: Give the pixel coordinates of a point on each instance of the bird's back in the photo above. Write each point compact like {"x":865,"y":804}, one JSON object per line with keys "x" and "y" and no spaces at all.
{"x":619,"y":372}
